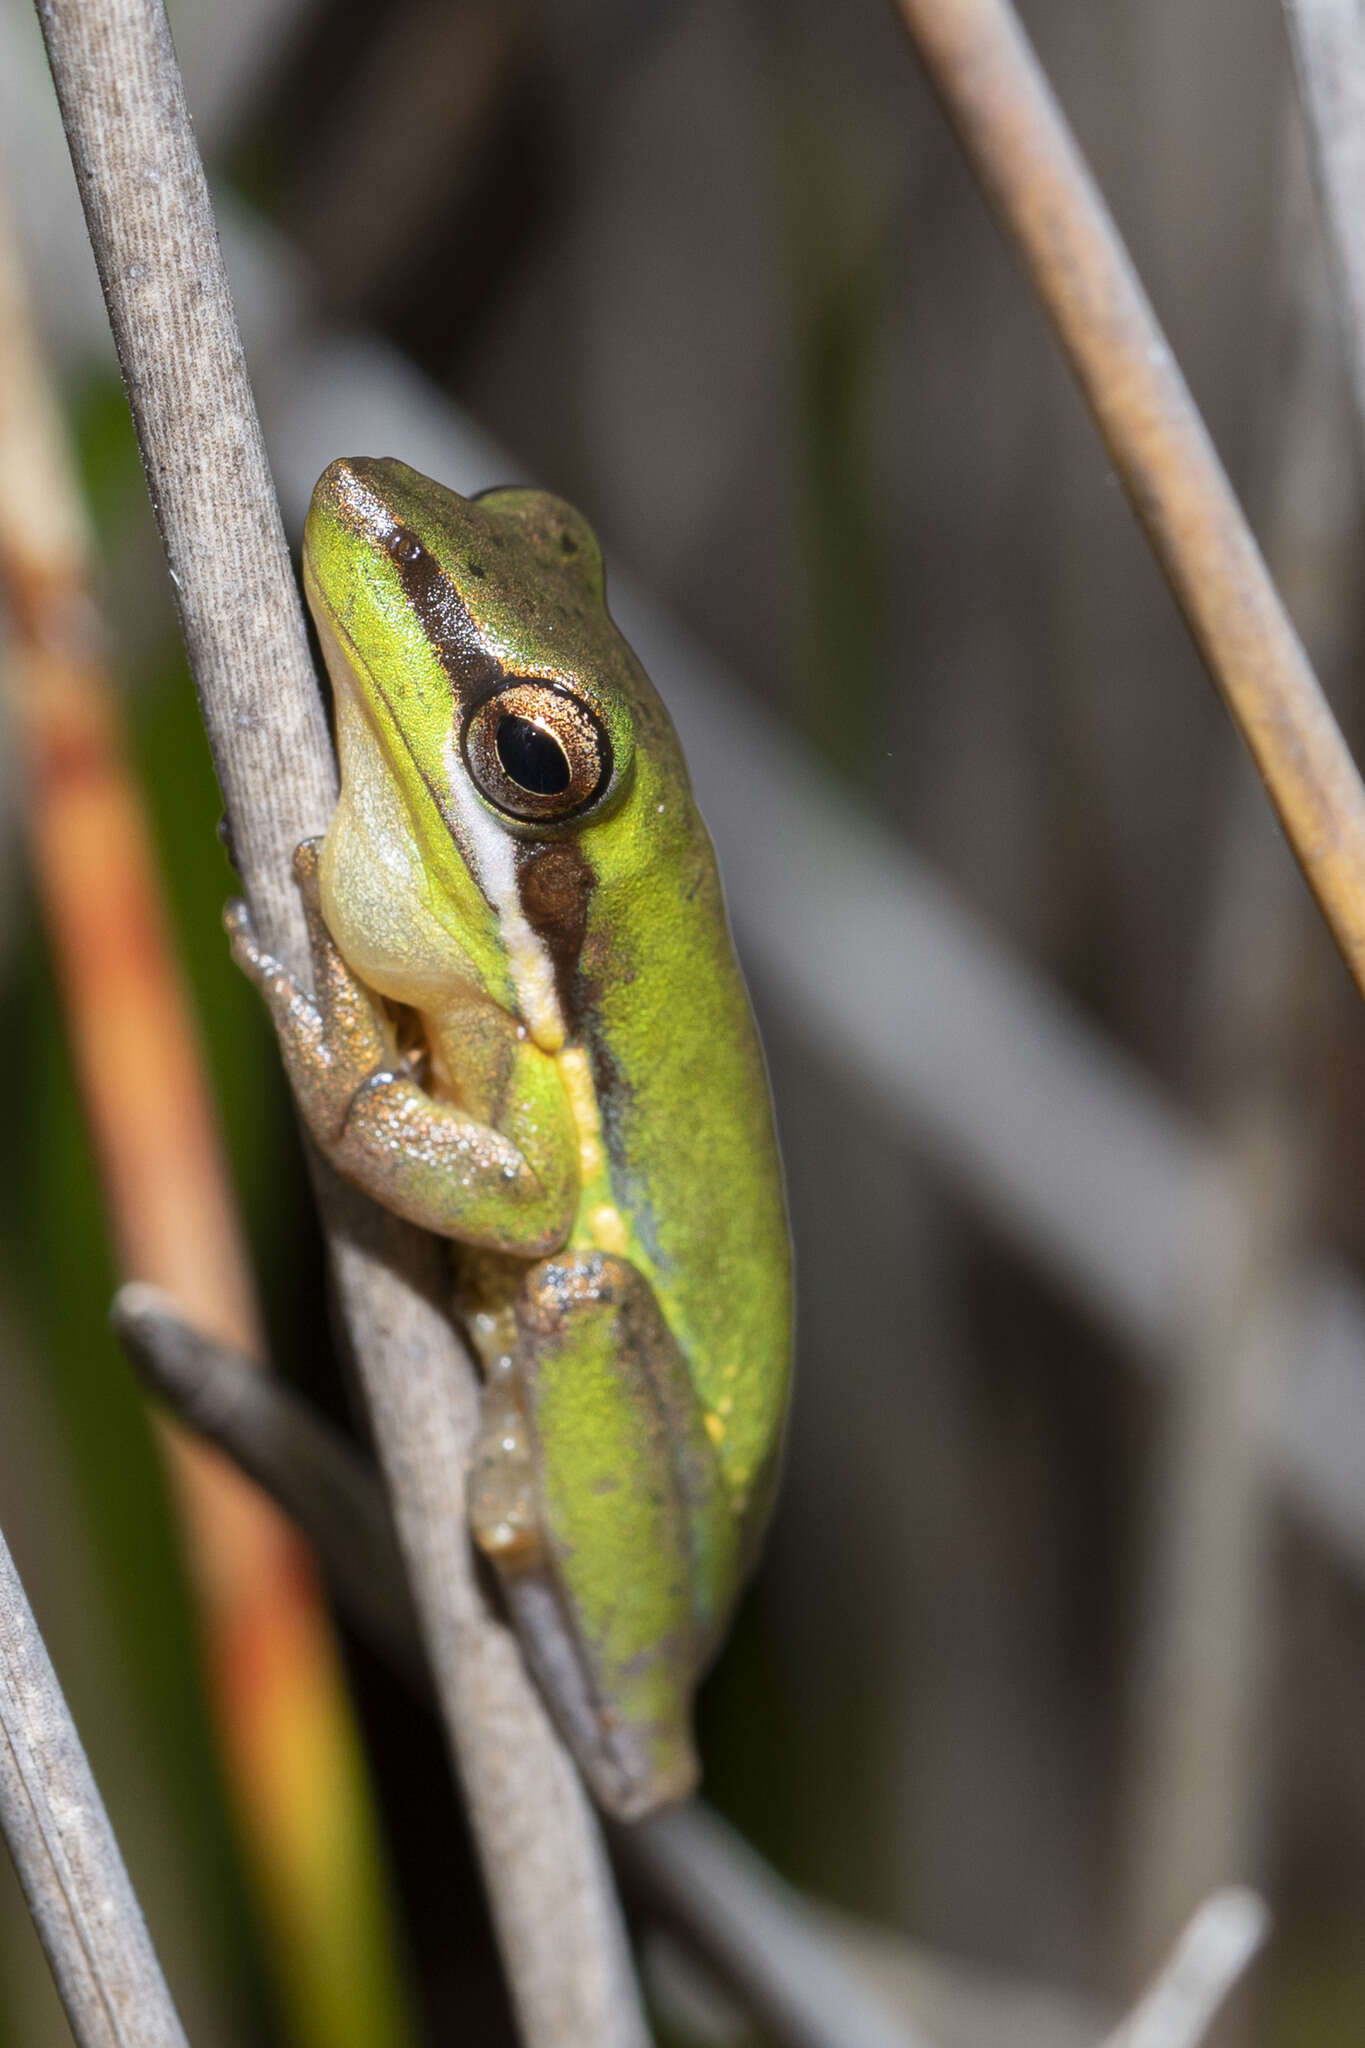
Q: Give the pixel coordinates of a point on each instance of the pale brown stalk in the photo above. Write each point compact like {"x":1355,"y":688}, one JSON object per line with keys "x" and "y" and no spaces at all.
{"x":1019,"y":144}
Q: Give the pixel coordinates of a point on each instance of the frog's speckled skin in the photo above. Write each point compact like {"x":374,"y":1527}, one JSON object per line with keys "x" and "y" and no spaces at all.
{"x":586,"y":1100}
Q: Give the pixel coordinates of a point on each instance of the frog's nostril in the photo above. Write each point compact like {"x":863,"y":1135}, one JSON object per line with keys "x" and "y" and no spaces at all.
{"x":347,"y":471}
{"x":350,"y":486}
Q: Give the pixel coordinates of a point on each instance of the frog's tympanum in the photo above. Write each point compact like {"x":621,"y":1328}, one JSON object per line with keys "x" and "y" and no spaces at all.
{"x":529,"y":1034}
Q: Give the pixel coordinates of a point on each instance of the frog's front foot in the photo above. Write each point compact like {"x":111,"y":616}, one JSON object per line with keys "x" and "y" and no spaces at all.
{"x":331,"y":1038}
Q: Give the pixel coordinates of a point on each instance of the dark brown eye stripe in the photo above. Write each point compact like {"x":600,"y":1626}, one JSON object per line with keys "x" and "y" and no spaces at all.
{"x":441,"y":613}
{"x":554,"y":883}
{"x":533,"y":748}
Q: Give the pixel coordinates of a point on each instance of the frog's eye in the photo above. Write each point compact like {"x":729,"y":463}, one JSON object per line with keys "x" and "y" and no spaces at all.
{"x":537,"y":752}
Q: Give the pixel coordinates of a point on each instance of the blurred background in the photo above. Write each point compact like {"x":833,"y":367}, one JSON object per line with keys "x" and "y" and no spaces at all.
{"x":1061,"y":1619}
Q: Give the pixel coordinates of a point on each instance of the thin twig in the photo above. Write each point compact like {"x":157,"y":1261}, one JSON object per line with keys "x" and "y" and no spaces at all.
{"x":69,"y":1865}
{"x":759,"y":1937}
{"x":152,"y":228}
{"x":1197,"y":1680}
{"x":1215,"y":1948}
{"x":280,"y":1443}
{"x":1328,"y":40}
{"x":754,"y":1932}
{"x":1011,"y":128}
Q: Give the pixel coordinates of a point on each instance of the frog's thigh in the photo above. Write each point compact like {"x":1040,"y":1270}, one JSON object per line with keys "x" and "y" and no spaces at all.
{"x":634,"y":1524}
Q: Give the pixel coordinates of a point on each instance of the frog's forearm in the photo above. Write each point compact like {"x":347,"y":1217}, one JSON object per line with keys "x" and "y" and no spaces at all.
{"x":511,"y":1191}
{"x":450,"y":1173}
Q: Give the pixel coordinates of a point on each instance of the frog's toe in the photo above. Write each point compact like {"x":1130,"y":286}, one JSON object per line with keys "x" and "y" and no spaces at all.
{"x":307,"y":857}
{"x":246,"y":950}
{"x":268,"y":974}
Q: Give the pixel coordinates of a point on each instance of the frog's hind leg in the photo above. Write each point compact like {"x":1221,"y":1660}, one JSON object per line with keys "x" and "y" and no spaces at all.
{"x":598,"y":1495}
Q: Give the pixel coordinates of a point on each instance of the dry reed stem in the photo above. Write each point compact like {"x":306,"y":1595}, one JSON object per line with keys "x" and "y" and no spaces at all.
{"x":1328,"y":40}
{"x":1219,"y":1941}
{"x":73,"y":1877}
{"x":1012,"y":130}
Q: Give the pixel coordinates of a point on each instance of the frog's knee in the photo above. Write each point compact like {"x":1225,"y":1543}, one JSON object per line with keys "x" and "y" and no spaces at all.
{"x":557,"y":1289}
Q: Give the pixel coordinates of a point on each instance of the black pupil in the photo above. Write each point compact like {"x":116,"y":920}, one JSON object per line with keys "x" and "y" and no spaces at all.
{"x":532,"y":757}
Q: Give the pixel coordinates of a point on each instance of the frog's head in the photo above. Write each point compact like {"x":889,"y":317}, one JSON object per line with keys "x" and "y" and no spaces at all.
{"x":533,"y":755}
{"x":478,"y":635}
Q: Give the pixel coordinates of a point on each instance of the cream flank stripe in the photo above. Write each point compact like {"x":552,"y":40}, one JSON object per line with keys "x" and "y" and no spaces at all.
{"x":606,"y":1224}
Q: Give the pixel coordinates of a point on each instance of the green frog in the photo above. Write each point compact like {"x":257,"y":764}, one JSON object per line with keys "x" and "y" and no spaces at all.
{"x":529,"y":1033}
